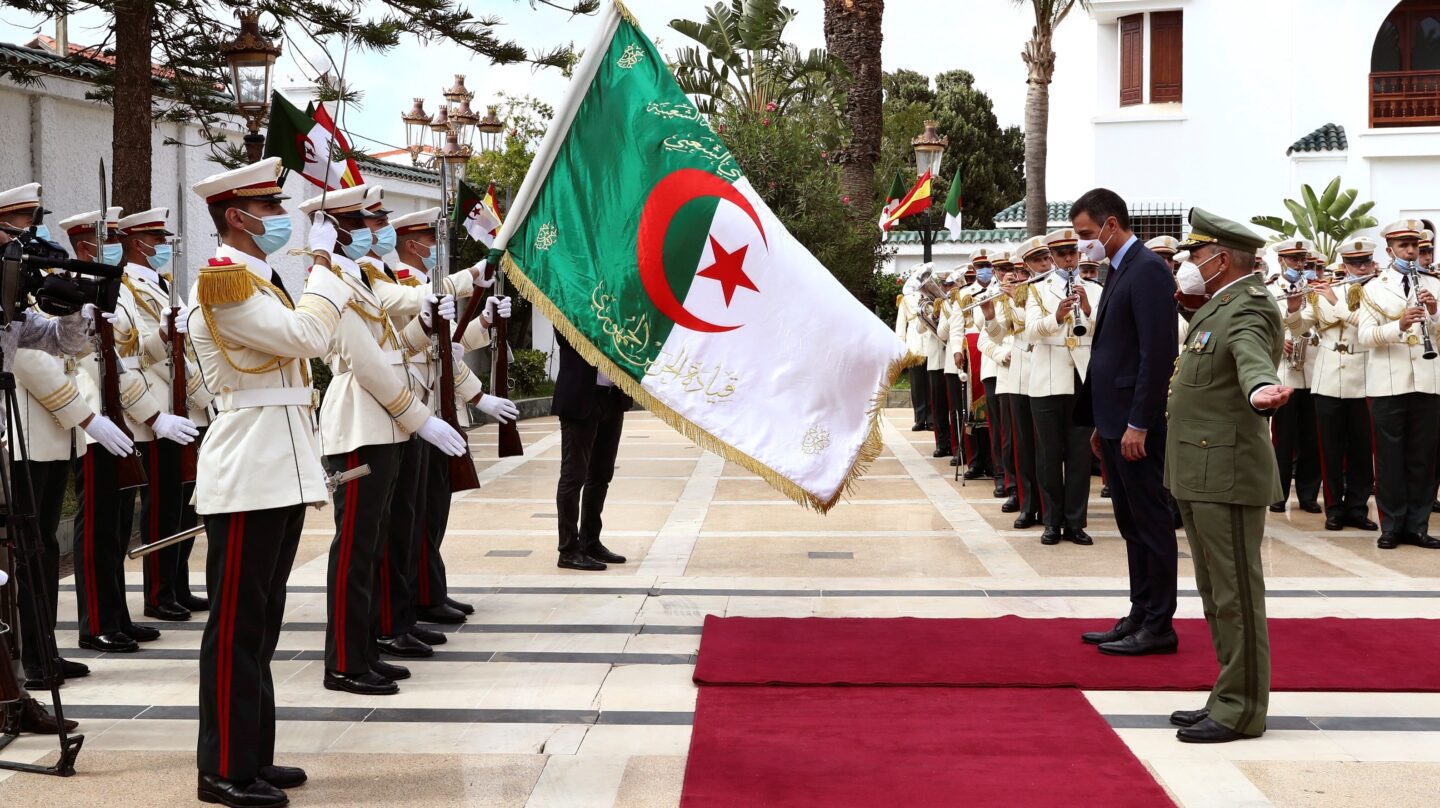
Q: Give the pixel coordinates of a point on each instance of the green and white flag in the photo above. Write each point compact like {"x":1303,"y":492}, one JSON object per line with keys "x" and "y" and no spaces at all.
{"x":953,"y":204}
{"x":636,"y":233}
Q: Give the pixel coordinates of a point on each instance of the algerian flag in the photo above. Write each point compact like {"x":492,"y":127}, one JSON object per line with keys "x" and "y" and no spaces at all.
{"x":637,"y":234}
{"x":897,"y":191}
{"x":953,"y":203}
{"x":304,"y":145}
{"x":475,"y":215}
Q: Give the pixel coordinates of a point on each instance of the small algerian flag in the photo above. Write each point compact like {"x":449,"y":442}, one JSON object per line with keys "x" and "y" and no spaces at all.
{"x":351,"y":177}
{"x":637,"y":234}
{"x":916,"y":200}
{"x":954,"y":202}
{"x":304,"y":145}
{"x":477,"y":215}
{"x":897,"y":190}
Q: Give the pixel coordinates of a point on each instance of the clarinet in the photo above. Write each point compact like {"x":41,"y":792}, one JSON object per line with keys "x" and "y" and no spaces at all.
{"x":1077,"y":315}
{"x":1428,"y":344}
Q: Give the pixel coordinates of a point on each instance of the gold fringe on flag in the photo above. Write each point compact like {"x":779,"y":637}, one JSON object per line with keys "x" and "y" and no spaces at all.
{"x":869,"y":449}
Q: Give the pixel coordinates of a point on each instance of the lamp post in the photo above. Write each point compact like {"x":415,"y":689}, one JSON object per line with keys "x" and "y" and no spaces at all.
{"x":490,"y":128}
{"x":929,"y":151}
{"x":252,"y":61}
{"x":417,"y":128}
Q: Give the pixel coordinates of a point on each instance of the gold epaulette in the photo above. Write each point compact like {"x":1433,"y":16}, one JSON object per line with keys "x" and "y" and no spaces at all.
{"x":1022,"y":295}
{"x":898,"y":300}
{"x":410,"y":281}
{"x":222,"y":283}
{"x":1352,"y":296}
{"x":376,"y":275}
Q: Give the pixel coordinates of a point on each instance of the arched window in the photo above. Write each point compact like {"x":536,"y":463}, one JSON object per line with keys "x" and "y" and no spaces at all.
{"x":1405,"y":66}
{"x":1425,"y":44}
{"x":1385,"y":56}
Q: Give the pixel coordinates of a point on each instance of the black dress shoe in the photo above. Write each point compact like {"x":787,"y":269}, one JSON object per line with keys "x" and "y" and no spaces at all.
{"x":30,"y":717}
{"x":1362,"y":522}
{"x":1010,"y":505}
{"x":1311,"y":507}
{"x":919,"y":428}
{"x":999,"y":491}
{"x":1142,"y":643}
{"x":578,"y":561}
{"x":368,"y":683}
{"x":601,"y":553}
{"x":1027,"y":520}
{"x":194,"y":603}
{"x":255,"y":794}
{"x":117,"y":643}
{"x":168,"y":611}
{"x":1210,"y":731}
{"x":1277,"y":507}
{"x":1334,"y":523}
{"x":429,"y":636}
{"x":1189,"y":718}
{"x":1078,"y":536}
{"x":1050,"y":536}
{"x":1387,"y":541}
{"x":440,"y":614}
{"x":459,"y":605}
{"x":1123,"y":628}
{"x":390,"y":671}
{"x":404,"y":645}
{"x":955,"y":461}
{"x":283,"y":776}
{"x":142,"y":633}
{"x":1105,"y":491}
{"x":1435,"y":506}
{"x":942,"y":453}
{"x":73,"y":670}
{"x":973,"y":473}
{"x":1423,"y":540}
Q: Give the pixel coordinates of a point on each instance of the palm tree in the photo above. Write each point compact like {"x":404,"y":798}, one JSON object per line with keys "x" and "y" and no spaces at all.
{"x":743,"y":62}
{"x":853,"y":36}
{"x":1039,"y":57}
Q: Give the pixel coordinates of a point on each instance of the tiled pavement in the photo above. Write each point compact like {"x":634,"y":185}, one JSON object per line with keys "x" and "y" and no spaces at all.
{"x":573,"y":689}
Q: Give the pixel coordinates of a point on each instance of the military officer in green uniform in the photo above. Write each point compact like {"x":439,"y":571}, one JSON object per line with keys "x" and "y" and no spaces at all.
{"x":1220,"y":464}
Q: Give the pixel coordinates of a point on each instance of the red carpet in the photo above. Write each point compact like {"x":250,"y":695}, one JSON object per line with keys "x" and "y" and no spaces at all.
{"x":1333,"y":654}
{"x":839,"y":747}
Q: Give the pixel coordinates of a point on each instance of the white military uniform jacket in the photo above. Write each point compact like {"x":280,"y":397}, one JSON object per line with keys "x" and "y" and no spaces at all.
{"x":1339,"y":359}
{"x":253,"y":349}
{"x":908,"y":326}
{"x":138,"y":403}
{"x":994,"y":356}
{"x":372,"y":399}
{"x":1300,"y":378}
{"x":1056,"y":355}
{"x":1007,"y":329}
{"x":951,"y":331}
{"x":1395,"y":363}
{"x":51,"y":407}
{"x":153,"y":362}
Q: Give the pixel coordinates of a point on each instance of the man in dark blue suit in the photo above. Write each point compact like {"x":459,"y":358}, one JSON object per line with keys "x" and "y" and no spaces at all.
{"x":1133,"y":355}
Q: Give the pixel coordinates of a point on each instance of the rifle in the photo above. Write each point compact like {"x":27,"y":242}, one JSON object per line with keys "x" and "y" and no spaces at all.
{"x":179,"y":383}
{"x":130,"y":472}
{"x":509,"y":443}
{"x":462,"y":469}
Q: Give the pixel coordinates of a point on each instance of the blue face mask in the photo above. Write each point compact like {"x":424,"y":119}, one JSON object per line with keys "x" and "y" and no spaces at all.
{"x":360,"y":241}
{"x":430,"y":260}
{"x":984,"y":274}
{"x":1292,"y":275}
{"x":42,"y":231}
{"x":384,"y":240}
{"x":1309,"y":275}
{"x":276,"y":235}
{"x":162,"y":256}
{"x":111,"y":254}
{"x":1404,"y":266}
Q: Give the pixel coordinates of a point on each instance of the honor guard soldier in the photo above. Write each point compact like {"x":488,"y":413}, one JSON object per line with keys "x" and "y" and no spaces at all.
{"x":1014,"y":388}
{"x":370,"y":410}
{"x":148,"y":251}
{"x":1398,"y":326}
{"x":1089,"y":269}
{"x":103,"y":522}
{"x":1338,"y":389}
{"x":1166,"y":247}
{"x":909,"y":329}
{"x":928,"y":321}
{"x":1294,"y":429}
{"x":962,"y":375}
{"x":1427,"y":250}
{"x":1221,"y":468}
{"x":1057,"y":313}
{"x":54,"y":419}
{"x":996,"y":349}
{"x":259,"y":467}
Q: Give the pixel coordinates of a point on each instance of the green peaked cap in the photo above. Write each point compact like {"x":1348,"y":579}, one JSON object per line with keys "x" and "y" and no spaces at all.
{"x":1208,"y":228}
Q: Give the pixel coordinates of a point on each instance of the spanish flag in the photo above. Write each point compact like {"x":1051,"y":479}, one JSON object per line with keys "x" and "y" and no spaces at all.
{"x":916,"y":200}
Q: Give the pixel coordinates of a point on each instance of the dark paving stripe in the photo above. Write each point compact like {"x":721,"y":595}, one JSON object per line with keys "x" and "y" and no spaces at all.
{"x":1163,"y":722}
{"x":317,"y":655}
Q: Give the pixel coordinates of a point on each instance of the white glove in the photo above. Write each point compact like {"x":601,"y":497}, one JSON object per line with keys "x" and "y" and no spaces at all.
{"x":442,"y":436}
{"x":182,"y":323}
{"x":3,"y":577}
{"x":481,"y":282}
{"x":88,"y":312}
{"x":502,"y":410}
{"x":322,"y":234}
{"x":110,"y":436}
{"x":172,"y":427}
{"x":458,"y":351}
{"x":445,"y":304}
{"x":497,"y":305}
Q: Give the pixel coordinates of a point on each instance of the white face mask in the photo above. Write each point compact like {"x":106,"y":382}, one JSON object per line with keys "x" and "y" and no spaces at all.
{"x":1189,"y":277}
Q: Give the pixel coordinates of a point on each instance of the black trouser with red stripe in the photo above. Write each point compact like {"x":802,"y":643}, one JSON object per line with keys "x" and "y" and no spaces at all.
{"x":1346,"y":456}
{"x":1297,"y":452}
{"x":940,"y":409}
{"x":1063,"y":461}
{"x":1000,"y":447}
{"x":102,"y":532}
{"x":249,"y":560}
{"x":48,"y":480}
{"x":1407,"y":430}
{"x":431,"y":588}
{"x":920,"y":394}
{"x":161,"y":506}
{"x":1022,"y":428}
{"x":403,"y":540}
{"x":362,"y":527}
{"x":188,"y":518}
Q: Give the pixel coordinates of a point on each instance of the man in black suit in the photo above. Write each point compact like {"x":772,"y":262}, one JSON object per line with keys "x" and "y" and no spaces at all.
{"x":592,"y":414}
{"x":1134,"y":350}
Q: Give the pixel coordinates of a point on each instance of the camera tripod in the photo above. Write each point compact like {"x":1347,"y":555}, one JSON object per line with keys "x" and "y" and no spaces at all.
{"x":22,"y":537}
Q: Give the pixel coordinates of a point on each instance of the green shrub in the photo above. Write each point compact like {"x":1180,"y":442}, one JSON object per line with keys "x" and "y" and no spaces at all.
{"x":528,"y":377}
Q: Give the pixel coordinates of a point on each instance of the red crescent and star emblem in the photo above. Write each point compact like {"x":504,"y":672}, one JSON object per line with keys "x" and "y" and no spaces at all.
{"x":666,"y":199}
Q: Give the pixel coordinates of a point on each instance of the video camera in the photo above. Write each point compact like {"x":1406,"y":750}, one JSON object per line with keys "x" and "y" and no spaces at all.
{"x":23,"y":277}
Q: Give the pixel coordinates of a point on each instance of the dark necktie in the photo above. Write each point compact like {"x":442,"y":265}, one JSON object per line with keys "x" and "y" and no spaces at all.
{"x":279,"y":284}
{"x":164,"y":287}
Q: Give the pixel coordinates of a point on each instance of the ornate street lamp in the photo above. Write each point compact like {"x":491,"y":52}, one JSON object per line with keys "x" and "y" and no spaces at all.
{"x":439,"y":128}
{"x":417,"y":130}
{"x":929,"y":151}
{"x":252,"y":60}
{"x":490,"y":128}
{"x":464,"y":120}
